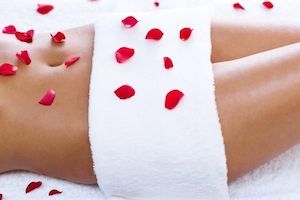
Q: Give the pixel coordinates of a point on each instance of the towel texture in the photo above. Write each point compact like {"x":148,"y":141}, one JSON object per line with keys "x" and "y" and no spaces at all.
{"x":141,"y":150}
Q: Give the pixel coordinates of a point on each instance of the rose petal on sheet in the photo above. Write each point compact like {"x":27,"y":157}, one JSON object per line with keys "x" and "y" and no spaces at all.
{"x":44,"y":8}
{"x":123,"y":54}
{"x":8,"y":69}
{"x":185,"y":33}
{"x":54,"y":192}
{"x":154,"y":34}
{"x":24,"y":57}
{"x":156,"y":3}
{"x":71,"y":61}
{"x":238,"y":6}
{"x":25,"y":36}
{"x":168,"y":63}
{"x":268,"y":4}
{"x":125,"y":92}
{"x":59,"y":37}
{"x":130,"y":21}
{"x":48,"y":98}
{"x":173,"y":98}
{"x":32,"y":186}
{"x":10,"y":29}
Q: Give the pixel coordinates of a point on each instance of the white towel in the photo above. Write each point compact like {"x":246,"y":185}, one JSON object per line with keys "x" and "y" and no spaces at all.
{"x":142,"y":150}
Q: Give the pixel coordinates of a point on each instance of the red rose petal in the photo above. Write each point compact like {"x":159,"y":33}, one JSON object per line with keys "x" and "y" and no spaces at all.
{"x":8,"y":69}
{"x":11,"y":29}
{"x":59,"y":37}
{"x":54,"y":192}
{"x":33,"y":185}
{"x":48,"y":98}
{"x":125,"y":92}
{"x":154,"y":34}
{"x":268,"y":4}
{"x":168,"y":62}
{"x":44,"y":8}
{"x":1,"y":196}
{"x":71,"y":61}
{"x":173,"y":98}
{"x":25,"y":36}
{"x":123,"y":54}
{"x":156,"y":3}
{"x":130,"y":21}
{"x":24,"y":57}
{"x":238,"y":6}
{"x":185,"y":33}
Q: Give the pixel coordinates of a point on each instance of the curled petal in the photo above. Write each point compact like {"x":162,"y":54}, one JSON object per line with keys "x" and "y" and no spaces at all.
{"x":11,"y":29}
{"x":173,"y":98}
{"x":123,"y":54}
{"x":154,"y":34}
{"x":8,"y":69}
{"x":238,"y":6}
{"x":268,"y":4}
{"x":24,"y":57}
{"x":48,"y":98}
{"x":156,"y":3}
{"x":130,"y":21}
{"x":185,"y":33}
{"x":54,"y":192}
{"x":25,"y":36}
{"x":168,"y":62}
{"x":44,"y":8}
{"x":32,"y":186}
{"x":72,"y":61}
{"x":125,"y":92}
{"x":59,"y":37}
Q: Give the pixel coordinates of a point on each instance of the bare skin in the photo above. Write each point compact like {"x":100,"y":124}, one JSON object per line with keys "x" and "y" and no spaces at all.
{"x":256,"y":97}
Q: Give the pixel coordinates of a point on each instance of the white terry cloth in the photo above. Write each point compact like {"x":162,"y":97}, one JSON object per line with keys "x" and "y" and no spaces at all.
{"x":141,"y":150}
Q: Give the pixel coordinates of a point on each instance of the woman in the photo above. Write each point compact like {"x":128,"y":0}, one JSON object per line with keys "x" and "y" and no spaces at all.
{"x":256,"y":92}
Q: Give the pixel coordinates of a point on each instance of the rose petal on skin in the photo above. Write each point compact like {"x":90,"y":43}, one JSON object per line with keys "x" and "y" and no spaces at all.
{"x":125,"y":92}
{"x":32,"y":186}
{"x":238,"y":6}
{"x":24,"y":57}
{"x":44,"y":8}
{"x":185,"y":33}
{"x":268,"y":4}
{"x":130,"y":21}
{"x":59,"y":37}
{"x":123,"y":54}
{"x":168,"y":63}
{"x":154,"y":34}
{"x":72,"y":61}
{"x":11,"y":29}
{"x":173,"y":98}
{"x":156,"y":3}
{"x":8,"y":69}
{"x":48,"y":98}
{"x":25,"y":36}
{"x":54,"y":192}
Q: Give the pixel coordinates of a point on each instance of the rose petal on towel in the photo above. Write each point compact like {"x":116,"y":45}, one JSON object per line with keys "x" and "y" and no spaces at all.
{"x":44,"y":8}
{"x":11,"y":29}
{"x":268,"y":4}
{"x":130,"y":21}
{"x":59,"y":37}
{"x":71,"y":61}
{"x":238,"y":6}
{"x":48,"y":98}
{"x":125,"y":92}
{"x":154,"y":34}
{"x":24,"y":57}
{"x":173,"y":98}
{"x":185,"y":33}
{"x":123,"y":54}
{"x":25,"y":36}
{"x":54,"y":192}
{"x":168,"y":62}
{"x":8,"y":69}
{"x":32,"y":186}
{"x":156,"y":3}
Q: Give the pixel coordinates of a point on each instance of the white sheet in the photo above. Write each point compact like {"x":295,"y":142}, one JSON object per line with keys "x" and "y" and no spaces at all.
{"x":276,"y":180}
